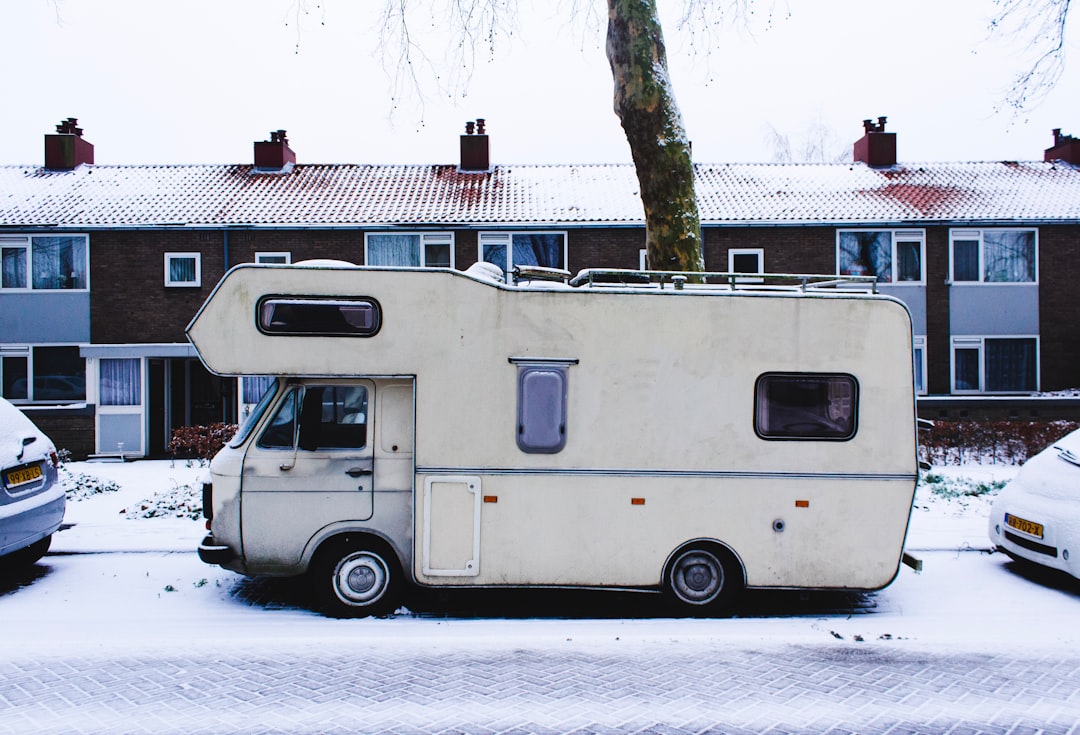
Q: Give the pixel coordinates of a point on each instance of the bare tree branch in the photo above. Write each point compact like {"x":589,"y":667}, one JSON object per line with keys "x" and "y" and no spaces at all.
{"x":1042,"y":25}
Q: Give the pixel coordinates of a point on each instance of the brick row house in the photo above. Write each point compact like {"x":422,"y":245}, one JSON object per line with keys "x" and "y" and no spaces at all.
{"x":104,"y":265}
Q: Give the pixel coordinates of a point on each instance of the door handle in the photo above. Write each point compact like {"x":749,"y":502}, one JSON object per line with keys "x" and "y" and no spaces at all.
{"x":358,"y":471}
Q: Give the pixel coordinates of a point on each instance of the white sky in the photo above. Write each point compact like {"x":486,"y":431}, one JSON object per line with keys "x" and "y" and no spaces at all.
{"x":200,"y":81}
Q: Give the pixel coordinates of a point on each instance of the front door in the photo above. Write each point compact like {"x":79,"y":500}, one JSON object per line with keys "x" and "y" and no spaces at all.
{"x":312,"y":466}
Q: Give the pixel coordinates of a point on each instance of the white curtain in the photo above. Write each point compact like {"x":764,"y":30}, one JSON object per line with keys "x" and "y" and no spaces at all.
{"x":120,"y":382}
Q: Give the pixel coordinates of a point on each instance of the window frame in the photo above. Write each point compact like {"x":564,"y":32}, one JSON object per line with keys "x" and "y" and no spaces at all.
{"x":978,"y":343}
{"x":259,"y":257}
{"x":750,"y":276}
{"x":918,"y":349}
{"x":424,"y":236}
{"x":487,"y":236}
{"x":771,"y":435}
{"x":967,"y":234}
{"x":316,"y":301}
{"x":196,"y":282}
{"x":27,"y":353}
{"x":897,"y":236}
{"x":25,"y":242}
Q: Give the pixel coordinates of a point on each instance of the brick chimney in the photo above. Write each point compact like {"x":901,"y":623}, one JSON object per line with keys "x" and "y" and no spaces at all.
{"x":274,"y":153}
{"x":876,"y":147}
{"x":474,"y":147}
{"x":66,"y":149}
{"x":1066,"y":148}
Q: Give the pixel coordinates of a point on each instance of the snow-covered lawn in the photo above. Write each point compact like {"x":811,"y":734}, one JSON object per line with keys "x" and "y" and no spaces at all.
{"x":964,"y":599}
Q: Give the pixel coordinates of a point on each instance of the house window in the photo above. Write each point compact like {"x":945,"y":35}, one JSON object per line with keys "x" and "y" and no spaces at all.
{"x":42,"y":373}
{"x":746,"y":260}
{"x":807,"y":406}
{"x":411,"y":249}
{"x":510,"y":249}
{"x":43,"y":262}
{"x":995,"y":364}
{"x":183,"y":269}
{"x":994,"y":256}
{"x":273,"y":258}
{"x":919,"y":356}
{"x":120,"y":381}
{"x":894,"y":256}
{"x":253,"y":388}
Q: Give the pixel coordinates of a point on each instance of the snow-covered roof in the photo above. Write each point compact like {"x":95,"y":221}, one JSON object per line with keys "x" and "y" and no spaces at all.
{"x":321,"y":195}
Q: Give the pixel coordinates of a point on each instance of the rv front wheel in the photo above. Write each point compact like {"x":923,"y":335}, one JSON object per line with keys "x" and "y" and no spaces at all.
{"x":353,"y":581}
{"x":703,"y":580}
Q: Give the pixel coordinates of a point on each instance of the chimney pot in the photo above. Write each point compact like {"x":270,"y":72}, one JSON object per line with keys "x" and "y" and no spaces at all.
{"x":475,"y":154}
{"x":274,"y":153}
{"x":66,"y":149}
{"x":1066,"y":148}
{"x":876,"y":147}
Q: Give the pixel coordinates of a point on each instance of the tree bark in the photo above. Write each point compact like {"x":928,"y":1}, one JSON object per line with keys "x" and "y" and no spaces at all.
{"x":650,"y":117}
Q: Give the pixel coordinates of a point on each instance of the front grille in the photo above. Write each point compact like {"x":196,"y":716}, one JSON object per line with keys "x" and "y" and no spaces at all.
{"x":1032,"y":545}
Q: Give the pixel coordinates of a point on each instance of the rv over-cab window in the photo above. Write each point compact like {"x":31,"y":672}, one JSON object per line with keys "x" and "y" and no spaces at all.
{"x":807,"y":406}
{"x":541,"y":414}
{"x":320,"y":317}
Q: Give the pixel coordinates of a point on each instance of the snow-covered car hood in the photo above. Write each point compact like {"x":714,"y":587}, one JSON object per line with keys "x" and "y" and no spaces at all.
{"x":1054,"y":473}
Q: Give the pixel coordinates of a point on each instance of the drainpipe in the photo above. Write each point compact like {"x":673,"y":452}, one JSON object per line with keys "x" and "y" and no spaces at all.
{"x":225,"y":253}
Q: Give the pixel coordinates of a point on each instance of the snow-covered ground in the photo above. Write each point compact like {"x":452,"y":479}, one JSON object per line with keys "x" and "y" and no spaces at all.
{"x":159,"y":594}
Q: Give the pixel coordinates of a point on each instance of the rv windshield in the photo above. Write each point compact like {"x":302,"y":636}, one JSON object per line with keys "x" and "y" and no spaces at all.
{"x":253,"y":417}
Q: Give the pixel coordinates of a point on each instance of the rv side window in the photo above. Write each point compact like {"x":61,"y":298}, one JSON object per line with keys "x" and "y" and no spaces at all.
{"x":541,"y":424}
{"x":334,"y":417}
{"x":318,"y":317}
{"x":807,"y":406}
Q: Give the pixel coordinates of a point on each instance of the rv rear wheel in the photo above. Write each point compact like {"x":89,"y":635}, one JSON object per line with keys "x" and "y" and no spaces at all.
{"x":353,"y":579}
{"x":703,"y":580}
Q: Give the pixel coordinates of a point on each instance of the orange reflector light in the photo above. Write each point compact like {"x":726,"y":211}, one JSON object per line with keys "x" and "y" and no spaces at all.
{"x":491,"y":498}
{"x":637,"y":501}
{"x":802,"y":503}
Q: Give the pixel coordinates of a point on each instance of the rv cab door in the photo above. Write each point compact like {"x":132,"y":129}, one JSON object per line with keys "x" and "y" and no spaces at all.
{"x":311,"y":466}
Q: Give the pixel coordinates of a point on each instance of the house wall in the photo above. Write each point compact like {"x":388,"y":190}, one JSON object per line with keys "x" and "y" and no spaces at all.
{"x":1059,"y":306}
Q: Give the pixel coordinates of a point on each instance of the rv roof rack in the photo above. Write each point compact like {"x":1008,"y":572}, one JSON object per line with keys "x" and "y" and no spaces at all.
{"x":741,"y":281}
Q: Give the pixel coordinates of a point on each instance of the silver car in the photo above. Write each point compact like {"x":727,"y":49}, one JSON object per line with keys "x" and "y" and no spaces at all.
{"x":31,"y":498}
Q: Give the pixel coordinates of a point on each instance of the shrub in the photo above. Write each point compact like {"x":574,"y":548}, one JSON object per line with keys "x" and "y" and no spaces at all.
{"x":990,"y":442}
{"x":200,"y":442}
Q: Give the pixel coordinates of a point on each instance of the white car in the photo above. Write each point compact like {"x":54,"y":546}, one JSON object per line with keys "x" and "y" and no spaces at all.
{"x":1036,"y":517}
{"x":31,"y":497}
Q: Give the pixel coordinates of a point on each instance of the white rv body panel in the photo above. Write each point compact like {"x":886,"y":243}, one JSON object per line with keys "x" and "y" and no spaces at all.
{"x":660,"y":446}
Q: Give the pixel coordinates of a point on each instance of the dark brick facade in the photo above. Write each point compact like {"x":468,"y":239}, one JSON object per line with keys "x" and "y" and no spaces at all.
{"x":131,"y":303}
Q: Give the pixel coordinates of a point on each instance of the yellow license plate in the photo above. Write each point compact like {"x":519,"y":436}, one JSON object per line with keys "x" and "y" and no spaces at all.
{"x":23,"y":475}
{"x":1029,"y":527}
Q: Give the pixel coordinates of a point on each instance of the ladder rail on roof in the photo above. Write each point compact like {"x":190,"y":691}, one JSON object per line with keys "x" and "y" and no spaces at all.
{"x":735,"y":281}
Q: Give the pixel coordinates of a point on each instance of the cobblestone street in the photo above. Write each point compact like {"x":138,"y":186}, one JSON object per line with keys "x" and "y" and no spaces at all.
{"x":326,"y":688}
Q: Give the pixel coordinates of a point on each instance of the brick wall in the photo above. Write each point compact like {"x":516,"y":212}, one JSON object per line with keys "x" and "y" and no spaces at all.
{"x":1059,"y":306}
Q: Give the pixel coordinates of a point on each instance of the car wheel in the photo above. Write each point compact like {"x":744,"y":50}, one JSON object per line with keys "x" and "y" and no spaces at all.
{"x":703,"y":580}
{"x":354,"y":578}
{"x":19,"y":560}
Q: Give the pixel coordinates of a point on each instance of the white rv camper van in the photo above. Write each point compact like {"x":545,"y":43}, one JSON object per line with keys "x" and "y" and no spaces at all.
{"x":624,"y":430}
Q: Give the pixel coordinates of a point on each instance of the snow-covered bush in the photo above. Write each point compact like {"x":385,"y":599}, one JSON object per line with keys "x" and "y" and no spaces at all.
{"x":180,"y":501}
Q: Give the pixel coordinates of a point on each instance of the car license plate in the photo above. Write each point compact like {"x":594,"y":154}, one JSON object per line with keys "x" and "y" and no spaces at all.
{"x":1028,"y":527}
{"x":23,"y":475}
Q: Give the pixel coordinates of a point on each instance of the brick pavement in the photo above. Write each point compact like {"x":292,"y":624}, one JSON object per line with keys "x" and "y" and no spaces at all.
{"x":329,"y":688}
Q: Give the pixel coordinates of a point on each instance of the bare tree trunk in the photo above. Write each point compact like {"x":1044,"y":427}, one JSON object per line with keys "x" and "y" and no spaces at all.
{"x":650,"y":117}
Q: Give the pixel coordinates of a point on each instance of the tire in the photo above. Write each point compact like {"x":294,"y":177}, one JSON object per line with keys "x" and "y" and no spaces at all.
{"x":19,"y":560}
{"x":356,"y":577}
{"x":703,"y":580}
